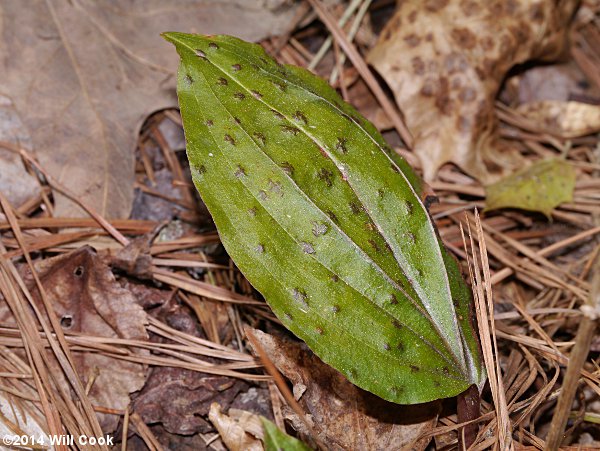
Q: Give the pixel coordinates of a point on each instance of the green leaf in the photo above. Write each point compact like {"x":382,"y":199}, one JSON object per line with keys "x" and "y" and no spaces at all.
{"x":540,"y":187}
{"x":324,"y":223}
{"x":276,"y":440}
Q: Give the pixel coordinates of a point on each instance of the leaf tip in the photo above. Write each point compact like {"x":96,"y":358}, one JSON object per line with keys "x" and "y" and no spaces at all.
{"x":169,"y":36}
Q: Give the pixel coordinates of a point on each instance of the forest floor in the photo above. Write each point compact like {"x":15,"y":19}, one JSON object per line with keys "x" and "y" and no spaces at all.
{"x":178,"y":351}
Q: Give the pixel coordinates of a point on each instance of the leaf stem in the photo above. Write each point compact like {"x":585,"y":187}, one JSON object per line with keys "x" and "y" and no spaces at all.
{"x":468,"y":408}
{"x":583,"y":340}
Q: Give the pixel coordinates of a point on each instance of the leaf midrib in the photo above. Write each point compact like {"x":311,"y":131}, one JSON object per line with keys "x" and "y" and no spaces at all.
{"x":365,"y":256}
{"x":325,"y":320}
{"x":458,"y":330}
{"x":462,"y":368}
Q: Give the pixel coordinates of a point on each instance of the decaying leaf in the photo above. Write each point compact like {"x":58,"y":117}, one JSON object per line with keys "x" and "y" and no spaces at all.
{"x":179,"y":399}
{"x":239,"y":432}
{"x":135,"y":258}
{"x":176,"y":398}
{"x":324,"y":223}
{"x":84,"y":74}
{"x":539,"y":187}
{"x":445,"y":59}
{"x":566,"y":119}
{"x":276,"y":439}
{"x":341,"y":415}
{"x":87,"y":299}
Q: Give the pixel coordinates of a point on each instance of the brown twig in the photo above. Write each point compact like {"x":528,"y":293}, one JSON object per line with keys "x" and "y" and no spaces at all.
{"x":583,"y":340}
{"x":364,"y":71}
{"x":63,"y":190}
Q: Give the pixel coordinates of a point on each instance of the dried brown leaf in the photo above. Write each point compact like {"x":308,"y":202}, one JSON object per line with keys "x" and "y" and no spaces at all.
{"x":445,"y":59}
{"x":340,"y":414}
{"x":135,"y":258}
{"x":179,"y":399}
{"x":560,"y":81}
{"x":87,"y":299}
{"x":84,"y":74}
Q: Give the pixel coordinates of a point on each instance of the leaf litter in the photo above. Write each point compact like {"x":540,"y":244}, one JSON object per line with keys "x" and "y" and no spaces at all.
{"x":538,"y":273}
{"x":445,"y":61}
{"x":339,"y":414}
{"x":69,"y":104}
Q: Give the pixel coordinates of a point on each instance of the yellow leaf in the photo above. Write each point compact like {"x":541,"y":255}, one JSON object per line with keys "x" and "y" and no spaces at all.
{"x":539,"y":187}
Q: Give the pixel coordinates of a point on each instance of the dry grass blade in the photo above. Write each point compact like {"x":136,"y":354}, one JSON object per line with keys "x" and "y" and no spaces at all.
{"x":482,"y":290}
{"x":124,"y":225}
{"x":360,"y":15}
{"x":363,"y":69}
{"x":352,"y":7}
{"x":145,"y":433}
{"x":184,"y":243}
{"x":58,"y":187}
{"x":28,"y":317}
{"x":163,"y":354}
{"x":277,"y":378}
{"x":125,"y":430}
{"x":202,"y":288}
{"x":275,"y":374}
{"x":504,"y":273}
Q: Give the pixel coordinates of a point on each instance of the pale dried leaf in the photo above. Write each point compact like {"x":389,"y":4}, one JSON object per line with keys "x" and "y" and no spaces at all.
{"x":16,"y":420}
{"x":84,"y":74}
{"x":567,"y":119}
{"x":250,"y":422}
{"x":552,"y":82}
{"x":15,"y":183}
{"x":445,"y":60}
{"x":539,"y":187}
{"x":232,"y":431}
{"x":341,"y":415}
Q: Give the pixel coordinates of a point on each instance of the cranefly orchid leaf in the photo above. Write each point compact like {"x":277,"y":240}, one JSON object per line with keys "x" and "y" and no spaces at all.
{"x":325,"y":221}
